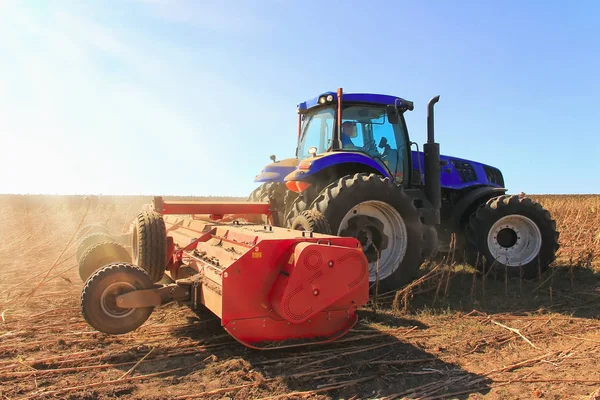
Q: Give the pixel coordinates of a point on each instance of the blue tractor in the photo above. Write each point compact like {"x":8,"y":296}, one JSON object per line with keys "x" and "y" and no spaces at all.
{"x":355,"y":174}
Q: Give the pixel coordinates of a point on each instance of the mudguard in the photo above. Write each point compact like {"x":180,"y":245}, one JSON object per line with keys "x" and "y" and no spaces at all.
{"x":311,"y":165}
{"x":464,"y":203}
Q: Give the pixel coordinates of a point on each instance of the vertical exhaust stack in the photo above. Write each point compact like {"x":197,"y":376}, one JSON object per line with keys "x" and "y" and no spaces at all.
{"x":339,"y":117}
{"x":431,"y":150}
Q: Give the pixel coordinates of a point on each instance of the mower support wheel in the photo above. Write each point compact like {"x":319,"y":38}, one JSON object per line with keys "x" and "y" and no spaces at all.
{"x":90,"y":240}
{"x":149,"y":244}
{"x":98,"y":298}
{"x":514,"y":235}
{"x":91,"y":229}
{"x":311,"y":220}
{"x":99,"y":255}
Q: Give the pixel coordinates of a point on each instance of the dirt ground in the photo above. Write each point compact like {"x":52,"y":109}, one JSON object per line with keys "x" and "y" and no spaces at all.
{"x":454,"y":335}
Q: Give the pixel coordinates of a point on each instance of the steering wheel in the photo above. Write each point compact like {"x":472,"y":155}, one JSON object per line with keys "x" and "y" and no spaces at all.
{"x":370,"y":147}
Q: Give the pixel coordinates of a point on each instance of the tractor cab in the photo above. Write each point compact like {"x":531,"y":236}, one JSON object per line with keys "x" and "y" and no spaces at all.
{"x":371,"y":126}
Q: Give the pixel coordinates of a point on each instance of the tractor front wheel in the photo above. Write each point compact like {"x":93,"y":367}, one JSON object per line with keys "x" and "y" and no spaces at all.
{"x":275,"y":189}
{"x":98,"y":298}
{"x":311,"y":220}
{"x":384,"y":219}
{"x":512,"y":234}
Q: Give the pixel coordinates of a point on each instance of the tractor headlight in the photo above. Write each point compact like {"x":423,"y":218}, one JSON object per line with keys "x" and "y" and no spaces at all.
{"x":326,"y":99}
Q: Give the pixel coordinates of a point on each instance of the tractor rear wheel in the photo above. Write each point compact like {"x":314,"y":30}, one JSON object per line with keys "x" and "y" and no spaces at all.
{"x":512,"y":234}
{"x":149,"y":244}
{"x":99,"y":255}
{"x":384,"y":219}
{"x":98,"y":298}
{"x":311,"y":220}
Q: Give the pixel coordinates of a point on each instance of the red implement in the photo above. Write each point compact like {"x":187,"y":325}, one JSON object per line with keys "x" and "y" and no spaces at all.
{"x":266,"y":284}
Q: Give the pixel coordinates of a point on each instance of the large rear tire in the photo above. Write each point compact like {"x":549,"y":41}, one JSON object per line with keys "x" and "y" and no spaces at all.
{"x":149,"y":244}
{"x":98,"y":298}
{"x":384,"y":219}
{"x":512,"y":234}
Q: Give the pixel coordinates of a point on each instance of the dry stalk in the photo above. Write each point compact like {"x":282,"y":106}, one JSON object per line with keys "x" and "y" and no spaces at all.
{"x":346,"y":353}
{"x":403,"y":293}
{"x":117,"y":381}
{"x":136,"y":364}
{"x":338,"y":385}
{"x":515,"y":331}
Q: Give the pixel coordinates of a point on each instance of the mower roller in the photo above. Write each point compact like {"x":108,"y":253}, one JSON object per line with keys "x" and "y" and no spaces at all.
{"x":267,"y":284}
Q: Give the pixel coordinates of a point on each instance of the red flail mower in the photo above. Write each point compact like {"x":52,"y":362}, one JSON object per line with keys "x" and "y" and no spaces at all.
{"x":266,"y":284}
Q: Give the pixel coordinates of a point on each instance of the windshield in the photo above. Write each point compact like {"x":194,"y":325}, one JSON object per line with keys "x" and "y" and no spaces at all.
{"x":317,"y":131}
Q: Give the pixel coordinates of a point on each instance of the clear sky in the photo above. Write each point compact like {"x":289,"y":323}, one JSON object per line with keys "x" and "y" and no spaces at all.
{"x":191,"y":97}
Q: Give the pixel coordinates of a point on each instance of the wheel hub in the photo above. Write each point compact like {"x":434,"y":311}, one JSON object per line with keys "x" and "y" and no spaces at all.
{"x":514,"y":240}
{"x":370,"y":233}
{"x":507,"y":238}
{"x":382,"y":232}
{"x":108,"y":301}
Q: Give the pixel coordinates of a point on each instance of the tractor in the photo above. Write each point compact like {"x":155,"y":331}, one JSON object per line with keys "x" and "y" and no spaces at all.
{"x":355,"y":174}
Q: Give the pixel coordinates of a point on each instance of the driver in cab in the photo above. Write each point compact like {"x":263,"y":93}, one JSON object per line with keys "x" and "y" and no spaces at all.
{"x":348,"y":132}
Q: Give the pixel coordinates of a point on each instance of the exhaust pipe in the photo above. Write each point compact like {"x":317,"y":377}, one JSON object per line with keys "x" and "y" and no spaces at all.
{"x":431,"y":150}
{"x":339,"y":118}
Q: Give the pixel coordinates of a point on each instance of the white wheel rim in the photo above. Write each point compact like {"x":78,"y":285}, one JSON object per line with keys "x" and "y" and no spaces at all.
{"x":393,"y":227}
{"x":514,"y":240}
{"x":110,"y":288}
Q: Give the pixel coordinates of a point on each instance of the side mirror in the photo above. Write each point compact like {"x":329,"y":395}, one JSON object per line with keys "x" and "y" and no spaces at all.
{"x":273,"y":158}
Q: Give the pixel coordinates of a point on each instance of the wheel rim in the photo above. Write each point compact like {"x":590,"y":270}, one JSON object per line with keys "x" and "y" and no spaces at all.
{"x":379,"y":227}
{"x":108,"y":300}
{"x":514,"y":240}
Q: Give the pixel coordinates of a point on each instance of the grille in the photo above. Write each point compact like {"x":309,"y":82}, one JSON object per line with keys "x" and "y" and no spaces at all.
{"x":494,"y":175}
{"x":465,"y":170}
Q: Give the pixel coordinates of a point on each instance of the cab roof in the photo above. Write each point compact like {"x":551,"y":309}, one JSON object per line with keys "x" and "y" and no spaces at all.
{"x":373,"y":98}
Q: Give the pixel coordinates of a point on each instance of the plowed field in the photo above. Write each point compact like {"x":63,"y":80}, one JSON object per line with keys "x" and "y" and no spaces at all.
{"x":452,"y":336}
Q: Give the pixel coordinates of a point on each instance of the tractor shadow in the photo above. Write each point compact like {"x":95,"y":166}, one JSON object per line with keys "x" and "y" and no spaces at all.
{"x":565,"y":289}
{"x":375,"y":359}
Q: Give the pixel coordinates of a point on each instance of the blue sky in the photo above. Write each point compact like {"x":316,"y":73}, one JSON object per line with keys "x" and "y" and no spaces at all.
{"x":191,"y":97}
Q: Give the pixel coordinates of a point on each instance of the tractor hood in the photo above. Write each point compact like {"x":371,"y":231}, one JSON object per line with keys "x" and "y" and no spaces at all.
{"x":276,"y":171}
